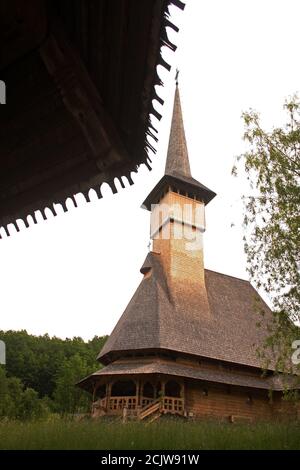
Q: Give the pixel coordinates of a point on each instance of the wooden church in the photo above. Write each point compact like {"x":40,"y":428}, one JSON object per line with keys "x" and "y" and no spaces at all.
{"x":187,"y":342}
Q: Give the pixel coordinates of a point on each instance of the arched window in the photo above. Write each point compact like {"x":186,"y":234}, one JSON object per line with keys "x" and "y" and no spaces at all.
{"x":148,"y":390}
{"x":172,"y":389}
{"x":123,"y":388}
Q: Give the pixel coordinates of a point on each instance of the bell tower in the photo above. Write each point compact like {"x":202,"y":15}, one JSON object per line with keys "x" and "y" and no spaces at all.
{"x":177,"y":205}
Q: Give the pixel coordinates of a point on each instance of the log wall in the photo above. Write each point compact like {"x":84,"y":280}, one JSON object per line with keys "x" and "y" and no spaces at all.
{"x":235,"y":403}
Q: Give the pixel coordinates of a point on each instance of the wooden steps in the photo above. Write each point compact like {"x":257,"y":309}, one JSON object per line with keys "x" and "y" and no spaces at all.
{"x":150,"y":409}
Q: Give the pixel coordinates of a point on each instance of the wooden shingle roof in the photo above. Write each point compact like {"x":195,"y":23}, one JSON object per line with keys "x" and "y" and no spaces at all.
{"x":152,"y":322}
{"x":177,"y":157}
{"x":228,"y":377}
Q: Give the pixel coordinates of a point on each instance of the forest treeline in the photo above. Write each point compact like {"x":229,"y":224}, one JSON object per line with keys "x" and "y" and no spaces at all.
{"x":40,"y":374}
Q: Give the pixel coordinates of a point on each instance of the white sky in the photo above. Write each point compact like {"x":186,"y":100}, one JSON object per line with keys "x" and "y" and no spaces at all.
{"x":73,"y":275}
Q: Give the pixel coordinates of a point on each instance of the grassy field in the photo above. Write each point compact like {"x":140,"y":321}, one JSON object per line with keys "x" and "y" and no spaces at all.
{"x":172,"y":434}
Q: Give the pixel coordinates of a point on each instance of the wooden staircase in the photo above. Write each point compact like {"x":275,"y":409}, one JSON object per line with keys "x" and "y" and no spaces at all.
{"x":152,"y":411}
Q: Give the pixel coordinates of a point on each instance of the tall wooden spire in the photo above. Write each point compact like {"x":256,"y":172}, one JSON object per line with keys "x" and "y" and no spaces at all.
{"x":177,"y":172}
{"x":177,"y":158}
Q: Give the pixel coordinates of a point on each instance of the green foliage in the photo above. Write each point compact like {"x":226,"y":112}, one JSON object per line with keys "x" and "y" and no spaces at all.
{"x":272,"y":221}
{"x":167,"y":434}
{"x":70,"y":399}
{"x":41,"y":373}
{"x":30,"y":406}
{"x":17,"y":402}
{"x":37,"y":359}
{"x":6,"y":402}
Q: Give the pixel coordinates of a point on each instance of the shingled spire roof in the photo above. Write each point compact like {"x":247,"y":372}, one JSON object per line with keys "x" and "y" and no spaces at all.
{"x":177,"y":159}
{"x":178,"y":172}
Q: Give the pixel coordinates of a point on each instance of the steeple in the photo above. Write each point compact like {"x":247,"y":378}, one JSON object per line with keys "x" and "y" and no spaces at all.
{"x":177,"y":205}
{"x":177,"y":159}
{"x":177,"y":172}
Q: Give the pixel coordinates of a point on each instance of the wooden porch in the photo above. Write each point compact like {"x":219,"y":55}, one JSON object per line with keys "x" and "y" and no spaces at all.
{"x":139,"y":406}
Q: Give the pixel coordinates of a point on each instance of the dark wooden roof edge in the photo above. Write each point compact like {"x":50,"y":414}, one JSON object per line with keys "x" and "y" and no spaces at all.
{"x":164,"y":41}
{"x":62,"y":194}
{"x":186,"y":184}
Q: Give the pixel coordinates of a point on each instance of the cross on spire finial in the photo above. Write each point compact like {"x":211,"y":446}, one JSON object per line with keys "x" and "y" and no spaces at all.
{"x":176,"y":77}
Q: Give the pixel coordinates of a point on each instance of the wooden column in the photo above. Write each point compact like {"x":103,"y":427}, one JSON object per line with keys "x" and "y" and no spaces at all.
{"x":106,"y":388}
{"x":163,"y":386}
{"x":93,"y":398}
{"x":138,"y":391}
{"x":183,"y":396}
{"x":94,"y":391}
{"x":108,"y":394}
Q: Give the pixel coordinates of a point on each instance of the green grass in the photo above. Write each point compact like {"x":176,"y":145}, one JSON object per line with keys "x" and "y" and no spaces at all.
{"x":167,"y":434}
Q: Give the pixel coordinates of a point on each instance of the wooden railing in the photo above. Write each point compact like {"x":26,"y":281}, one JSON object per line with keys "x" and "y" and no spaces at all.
{"x":101,"y":403}
{"x":144,"y":401}
{"x":118,"y":403}
{"x":164,"y":405}
{"x":148,"y":406}
{"x":173,"y":405}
